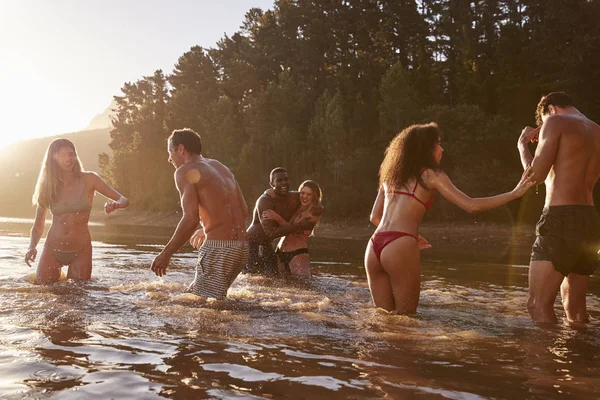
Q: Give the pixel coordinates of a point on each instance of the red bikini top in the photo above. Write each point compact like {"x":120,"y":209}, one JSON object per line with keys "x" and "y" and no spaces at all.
{"x":427,"y":204}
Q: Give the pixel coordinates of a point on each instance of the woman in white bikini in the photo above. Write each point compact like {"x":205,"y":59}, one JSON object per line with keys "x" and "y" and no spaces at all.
{"x":67,"y":190}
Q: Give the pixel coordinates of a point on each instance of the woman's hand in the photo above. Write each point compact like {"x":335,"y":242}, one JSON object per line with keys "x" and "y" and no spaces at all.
{"x":30,"y":256}
{"x":198,"y":238}
{"x":270,"y":192}
{"x":110,"y":206}
{"x":114,"y":205}
{"x":423,"y":243}
{"x":526,"y":182}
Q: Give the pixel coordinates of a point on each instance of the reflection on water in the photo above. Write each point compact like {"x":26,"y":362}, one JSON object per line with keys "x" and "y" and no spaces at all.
{"x":129,"y":334}
{"x":29,"y":221}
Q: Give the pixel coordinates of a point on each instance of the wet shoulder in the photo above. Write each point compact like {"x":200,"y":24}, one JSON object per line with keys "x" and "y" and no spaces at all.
{"x":562,"y":123}
{"x":594,"y":130}
{"x":194,"y":173}
{"x":574,"y":130}
{"x":221,"y":172}
{"x":266,"y":200}
{"x":218,"y":165}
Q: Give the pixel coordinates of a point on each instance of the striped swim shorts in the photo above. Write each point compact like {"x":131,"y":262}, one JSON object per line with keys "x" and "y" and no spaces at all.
{"x":219,"y":263}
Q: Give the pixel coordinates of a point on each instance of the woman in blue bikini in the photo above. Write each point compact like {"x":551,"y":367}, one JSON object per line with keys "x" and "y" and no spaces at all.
{"x":67,"y":190}
{"x":408,"y":176}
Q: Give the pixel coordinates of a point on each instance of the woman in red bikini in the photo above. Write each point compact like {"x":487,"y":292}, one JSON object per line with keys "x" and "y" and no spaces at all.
{"x":408,"y":176}
{"x":67,"y":190}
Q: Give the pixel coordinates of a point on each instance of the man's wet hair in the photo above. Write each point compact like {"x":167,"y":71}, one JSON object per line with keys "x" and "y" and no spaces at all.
{"x":276,"y":170}
{"x":559,"y":99}
{"x":188,"y":138}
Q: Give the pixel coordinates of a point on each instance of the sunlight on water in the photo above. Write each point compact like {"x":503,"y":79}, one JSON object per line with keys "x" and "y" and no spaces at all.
{"x":129,"y":334}
{"x":29,"y":221}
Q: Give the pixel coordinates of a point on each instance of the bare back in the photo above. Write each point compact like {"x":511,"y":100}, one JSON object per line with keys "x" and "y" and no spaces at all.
{"x":222,"y":207}
{"x":576,"y":167}
{"x":403,"y":213}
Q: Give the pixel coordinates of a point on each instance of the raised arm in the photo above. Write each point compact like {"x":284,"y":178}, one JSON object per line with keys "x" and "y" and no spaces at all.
{"x":528,"y":135}
{"x":37,"y":230}
{"x":440,"y":182}
{"x":100,"y":186}
{"x":186,"y":226}
{"x":545,"y":153}
{"x":377,"y":211}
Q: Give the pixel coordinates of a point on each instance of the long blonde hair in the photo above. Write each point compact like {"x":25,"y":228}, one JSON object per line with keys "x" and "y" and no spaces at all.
{"x":317,"y":196}
{"x":49,"y":182}
{"x":316,"y":189}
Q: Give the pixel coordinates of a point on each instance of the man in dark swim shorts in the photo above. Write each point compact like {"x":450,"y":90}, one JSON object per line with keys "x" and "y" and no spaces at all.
{"x":569,"y":237}
{"x":565,"y":252}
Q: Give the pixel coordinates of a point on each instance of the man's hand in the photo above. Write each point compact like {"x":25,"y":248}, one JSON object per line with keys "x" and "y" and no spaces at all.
{"x":270,"y":214}
{"x":198,"y":238}
{"x":528,"y":135}
{"x":30,"y":256}
{"x":270,"y":192}
{"x":160,"y":264}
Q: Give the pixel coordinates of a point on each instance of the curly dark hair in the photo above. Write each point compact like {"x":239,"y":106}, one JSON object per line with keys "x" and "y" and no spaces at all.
{"x":408,"y":153}
{"x":560,"y":99}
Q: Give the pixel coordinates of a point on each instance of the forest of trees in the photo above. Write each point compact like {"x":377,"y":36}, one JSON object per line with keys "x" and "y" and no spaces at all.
{"x":321,"y":86}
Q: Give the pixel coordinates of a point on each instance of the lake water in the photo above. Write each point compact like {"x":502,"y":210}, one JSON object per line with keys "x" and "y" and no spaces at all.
{"x":128,"y":334}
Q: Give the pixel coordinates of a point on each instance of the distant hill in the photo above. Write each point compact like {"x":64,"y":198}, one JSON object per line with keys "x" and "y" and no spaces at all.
{"x":102,"y":121}
{"x":20,"y":164}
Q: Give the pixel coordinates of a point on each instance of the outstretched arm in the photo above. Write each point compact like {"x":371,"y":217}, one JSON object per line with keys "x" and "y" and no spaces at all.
{"x":187,"y":225}
{"x":528,"y":135}
{"x":440,"y":182}
{"x":118,"y":200}
{"x":545,"y":154}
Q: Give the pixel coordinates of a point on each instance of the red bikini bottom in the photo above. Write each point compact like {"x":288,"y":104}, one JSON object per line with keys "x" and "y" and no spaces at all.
{"x":382,"y":239}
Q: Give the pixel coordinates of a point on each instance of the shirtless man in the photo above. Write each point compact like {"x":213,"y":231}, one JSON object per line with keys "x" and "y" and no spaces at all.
{"x":263,"y":231}
{"x":565,"y":252}
{"x":210,"y":195}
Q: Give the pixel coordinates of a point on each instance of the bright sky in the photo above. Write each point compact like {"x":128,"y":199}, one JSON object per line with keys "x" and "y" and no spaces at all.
{"x":62,"y":61}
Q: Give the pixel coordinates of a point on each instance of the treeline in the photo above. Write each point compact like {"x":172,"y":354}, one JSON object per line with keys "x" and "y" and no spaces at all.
{"x":320,"y":87}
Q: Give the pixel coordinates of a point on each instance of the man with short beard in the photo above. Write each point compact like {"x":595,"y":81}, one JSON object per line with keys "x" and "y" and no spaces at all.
{"x":565,"y":252}
{"x":263,"y":231}
{"x":211,"y":196}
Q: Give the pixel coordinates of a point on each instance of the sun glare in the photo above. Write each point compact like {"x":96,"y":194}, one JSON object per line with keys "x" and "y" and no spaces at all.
{"x":4,"y":143}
